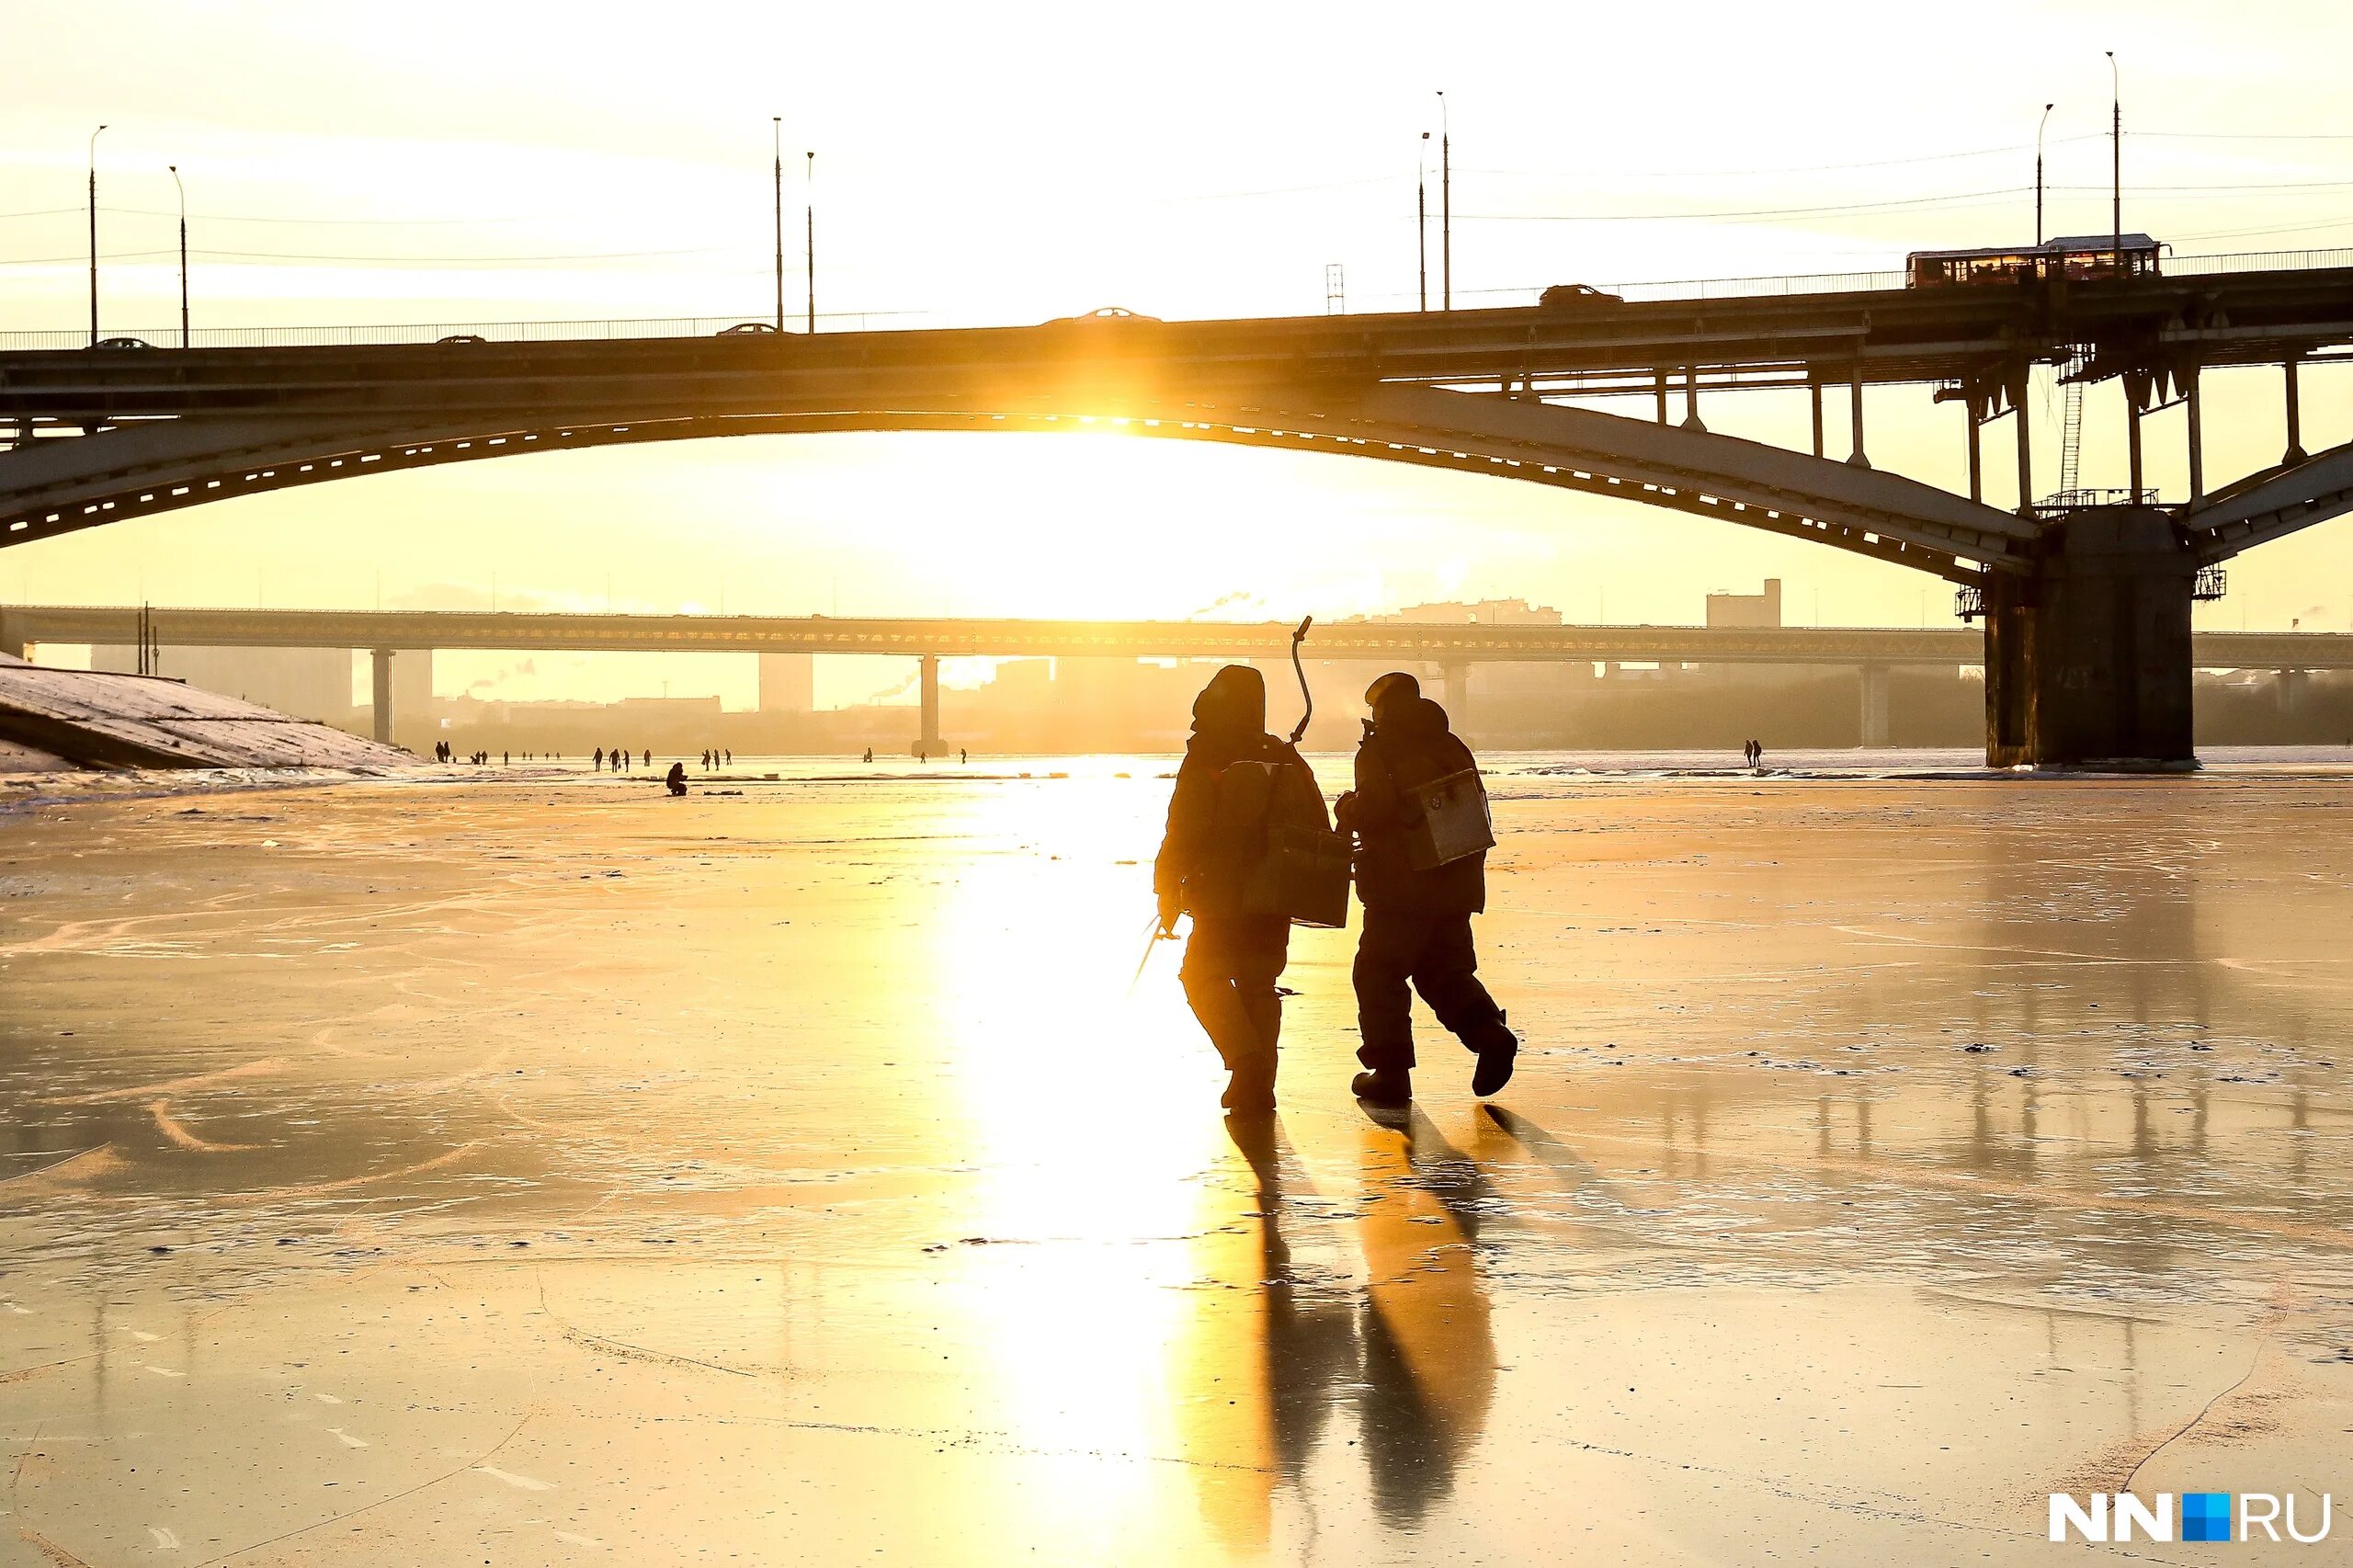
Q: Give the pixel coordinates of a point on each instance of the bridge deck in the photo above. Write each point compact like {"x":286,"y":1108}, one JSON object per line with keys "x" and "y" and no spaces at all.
{"x":1396,"y":642}
{"x":1905,"y":335}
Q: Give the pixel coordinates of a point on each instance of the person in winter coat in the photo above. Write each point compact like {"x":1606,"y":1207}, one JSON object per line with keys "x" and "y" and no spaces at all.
{"x":1216,"y":830}
{"x":1416,"y":921}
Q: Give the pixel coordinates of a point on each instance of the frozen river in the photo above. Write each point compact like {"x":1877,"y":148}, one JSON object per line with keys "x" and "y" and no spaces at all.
{"x":538,"y":1169}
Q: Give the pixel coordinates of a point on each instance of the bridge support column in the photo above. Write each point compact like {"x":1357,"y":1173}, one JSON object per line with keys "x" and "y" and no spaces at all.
{"x":381,"y":690}
{"x":929,"y":744}
{"x":2088,"y":657}
{"x":1457,"y":676}
{"x":2016,"y":393}
{"x":1856,"y":457}
{"x":2295,"y":453}
{"x":2291,"y":689}
{"x":1976,"y":451}
{"x":2136,"y":397}
{"x":1873,"y":729}
{"x":2197,"y":434}
{"x":1815,"y":388}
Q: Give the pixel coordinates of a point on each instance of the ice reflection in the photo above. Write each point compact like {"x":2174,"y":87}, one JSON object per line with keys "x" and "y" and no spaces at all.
{"x":1358,"y":1323}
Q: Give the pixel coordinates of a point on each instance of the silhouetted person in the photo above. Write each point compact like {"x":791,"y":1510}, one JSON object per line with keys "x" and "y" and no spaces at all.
{"x":963,"y":755}
{"x":676,"y":778}
{"x":869,"y":754}
{"x":731,"y":759}
{"x":1215,"y":833}
{"x":600,"y":759}
{"x":1417,"y":922}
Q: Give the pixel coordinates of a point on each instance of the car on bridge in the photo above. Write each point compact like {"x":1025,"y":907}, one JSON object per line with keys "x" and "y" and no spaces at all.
{"x":748,"y":329}
{"x":1576,"y":297}
{"x":122,"y":343}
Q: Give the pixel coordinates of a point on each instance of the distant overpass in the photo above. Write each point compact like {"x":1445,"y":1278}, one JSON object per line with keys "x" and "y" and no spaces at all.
{"x":1452,"y":648}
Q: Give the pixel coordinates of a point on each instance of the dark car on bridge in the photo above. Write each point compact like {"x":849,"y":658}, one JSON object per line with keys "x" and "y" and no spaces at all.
{"x":1576,"y":297}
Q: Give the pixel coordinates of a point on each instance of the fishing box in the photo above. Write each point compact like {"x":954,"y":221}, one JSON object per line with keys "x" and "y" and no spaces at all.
{"x":1452,"y":821}
{"x":1303,"y":875}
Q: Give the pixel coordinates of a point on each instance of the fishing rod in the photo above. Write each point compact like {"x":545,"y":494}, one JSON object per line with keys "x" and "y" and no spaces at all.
{"x":1306,"y":696}
{"x":1153,"y":936}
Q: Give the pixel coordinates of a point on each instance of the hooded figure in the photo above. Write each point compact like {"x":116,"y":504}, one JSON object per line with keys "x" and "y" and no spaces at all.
{"x":1416,"y":921}
{"x":1216,"y":823}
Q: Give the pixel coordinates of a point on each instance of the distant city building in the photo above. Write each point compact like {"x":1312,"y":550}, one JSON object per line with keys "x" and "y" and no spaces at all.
{"x":1747,"y":611}
{"x":788,"y":683}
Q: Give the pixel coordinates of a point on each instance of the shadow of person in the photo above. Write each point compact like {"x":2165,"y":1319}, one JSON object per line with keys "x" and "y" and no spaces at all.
{"x":1262,"y":1357}
{"x":1429,"y":1353}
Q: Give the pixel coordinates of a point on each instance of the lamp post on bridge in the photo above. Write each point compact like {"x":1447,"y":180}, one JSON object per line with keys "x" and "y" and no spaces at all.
{"x":776,"y":137}
{"x":2043,"y":125}
{"x":1422,"y":216}
{"x":2116,"y":164}
{"x":93,"y":235}
{"x":809,"y":235}
{"x":1445,"y":204}
{"x":183,"y":191}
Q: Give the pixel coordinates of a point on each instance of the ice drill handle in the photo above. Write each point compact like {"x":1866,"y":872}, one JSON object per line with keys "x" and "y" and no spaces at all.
{"x":1306,"y":696}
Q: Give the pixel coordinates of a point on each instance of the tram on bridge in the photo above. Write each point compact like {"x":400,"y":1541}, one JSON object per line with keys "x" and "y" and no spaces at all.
{"x":2075,"y":256}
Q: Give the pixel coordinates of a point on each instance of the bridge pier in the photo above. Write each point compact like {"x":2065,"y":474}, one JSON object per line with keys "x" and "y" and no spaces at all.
{"x":2088,"y":657}
{"x":928,"y":742}
{"x":1457,"y":678}
{"x":381,"y":689}
{"x":1873,"y":729}
{"x":2289,"y":689}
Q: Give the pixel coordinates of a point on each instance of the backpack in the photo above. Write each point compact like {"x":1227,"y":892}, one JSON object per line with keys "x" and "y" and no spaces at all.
{"x":1296,"y":866}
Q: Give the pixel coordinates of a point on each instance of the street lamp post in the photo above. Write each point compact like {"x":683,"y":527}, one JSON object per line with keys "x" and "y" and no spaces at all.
{"x":2039,"y":129}
{"x":94,"y":236}
{"x":183,"y":191}
{"x":775,"y":133}
{"x":1445,"y":204}
{"x":2116,"y":166}
{"x":809,"y":238}
{"x":1422,"y":216}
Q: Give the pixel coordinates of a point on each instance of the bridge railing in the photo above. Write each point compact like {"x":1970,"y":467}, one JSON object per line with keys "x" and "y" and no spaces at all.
{"x":433,"y":332}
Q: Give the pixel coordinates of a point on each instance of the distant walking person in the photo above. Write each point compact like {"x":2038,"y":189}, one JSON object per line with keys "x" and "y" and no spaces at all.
{"x":1216,"y":826}
{"x":600,"y":759}
{"x":649,"y":757}
{"x":1416,"y":915}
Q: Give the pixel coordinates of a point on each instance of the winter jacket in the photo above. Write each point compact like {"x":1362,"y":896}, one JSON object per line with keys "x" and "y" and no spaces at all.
{"x":1410,"y":747}
{"x":1206,"y":852}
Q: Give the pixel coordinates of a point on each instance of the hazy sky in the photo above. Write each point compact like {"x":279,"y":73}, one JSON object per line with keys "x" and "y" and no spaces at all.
{"x":494,"y":162}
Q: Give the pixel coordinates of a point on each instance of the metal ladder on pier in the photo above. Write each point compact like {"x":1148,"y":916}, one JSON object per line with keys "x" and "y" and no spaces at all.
{"x":2071,"y":441}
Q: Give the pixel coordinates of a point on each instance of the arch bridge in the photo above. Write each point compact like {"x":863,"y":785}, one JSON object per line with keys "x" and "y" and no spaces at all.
{"x":2086,"y":601}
